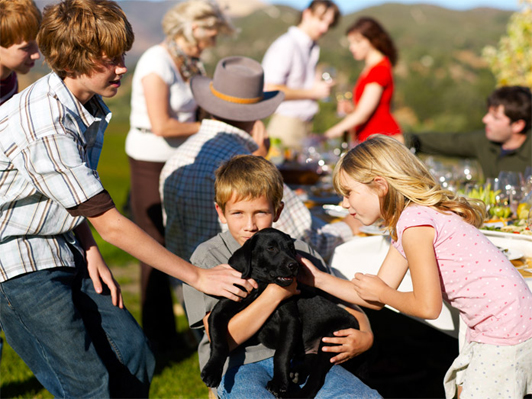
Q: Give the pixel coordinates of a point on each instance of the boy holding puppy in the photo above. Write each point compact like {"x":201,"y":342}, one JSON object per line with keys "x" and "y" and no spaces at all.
{"x":248,"y":198}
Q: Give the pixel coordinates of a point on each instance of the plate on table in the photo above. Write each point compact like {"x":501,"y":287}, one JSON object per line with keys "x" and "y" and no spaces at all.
{"x":511,"y":254}
{"x":335,"y":211}
{"x":504,"y":234}
{"x":373,"y":230}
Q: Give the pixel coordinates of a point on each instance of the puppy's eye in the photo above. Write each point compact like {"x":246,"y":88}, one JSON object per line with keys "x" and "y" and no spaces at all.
{"x":270,"y":249}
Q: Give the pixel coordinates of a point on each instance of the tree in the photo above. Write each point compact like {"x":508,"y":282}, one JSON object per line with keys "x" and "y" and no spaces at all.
{"x":511,"y":62}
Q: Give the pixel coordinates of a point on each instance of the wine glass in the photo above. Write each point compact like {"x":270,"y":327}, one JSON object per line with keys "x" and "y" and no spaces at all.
{"x":511,"y":186}
{"x":328,"y":74}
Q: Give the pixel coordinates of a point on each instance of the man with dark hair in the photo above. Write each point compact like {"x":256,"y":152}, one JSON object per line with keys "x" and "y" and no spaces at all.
{"x":505,"y":143}
{"x":290,"y":66}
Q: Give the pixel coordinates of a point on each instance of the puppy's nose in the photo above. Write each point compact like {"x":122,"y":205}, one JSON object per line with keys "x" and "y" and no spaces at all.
{"x":293,"y":266}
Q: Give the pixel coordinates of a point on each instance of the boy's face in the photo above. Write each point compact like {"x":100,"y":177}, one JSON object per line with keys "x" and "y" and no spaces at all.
{"x":19,"y":57}
{"x":245,"y":217}
{"x":105,"y":80}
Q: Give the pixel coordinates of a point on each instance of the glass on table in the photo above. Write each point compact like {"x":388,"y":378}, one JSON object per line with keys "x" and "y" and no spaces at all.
{"x":512,"y":185}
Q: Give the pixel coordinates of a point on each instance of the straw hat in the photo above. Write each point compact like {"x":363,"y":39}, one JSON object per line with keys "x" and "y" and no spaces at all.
{"x":236,"y":91}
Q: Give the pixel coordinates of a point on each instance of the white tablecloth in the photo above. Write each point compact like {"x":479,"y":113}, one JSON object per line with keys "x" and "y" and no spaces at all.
{"x":366,"y":254}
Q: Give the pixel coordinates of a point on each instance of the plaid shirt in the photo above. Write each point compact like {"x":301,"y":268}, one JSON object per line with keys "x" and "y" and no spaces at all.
{"x":187,"y":190}
{"x":49,"y":149}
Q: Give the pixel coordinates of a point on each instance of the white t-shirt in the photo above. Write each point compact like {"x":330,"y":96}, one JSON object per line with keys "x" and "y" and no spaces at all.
{"x":291,"y":61}
{"x":143,"y":145}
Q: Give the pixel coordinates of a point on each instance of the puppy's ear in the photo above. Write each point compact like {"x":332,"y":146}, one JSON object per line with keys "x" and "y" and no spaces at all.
{"x":241,"y":259}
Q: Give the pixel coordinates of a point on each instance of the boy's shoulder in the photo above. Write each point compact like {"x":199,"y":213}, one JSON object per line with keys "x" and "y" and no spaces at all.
{"x":215,"y":251}
{"x":306,"y":251}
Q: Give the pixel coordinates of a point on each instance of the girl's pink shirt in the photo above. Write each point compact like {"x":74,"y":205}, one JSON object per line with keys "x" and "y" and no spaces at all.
{"x":476,"y":278}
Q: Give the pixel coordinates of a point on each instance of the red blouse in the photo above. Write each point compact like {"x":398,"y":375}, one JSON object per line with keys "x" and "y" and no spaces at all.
{"x":381,"y":121}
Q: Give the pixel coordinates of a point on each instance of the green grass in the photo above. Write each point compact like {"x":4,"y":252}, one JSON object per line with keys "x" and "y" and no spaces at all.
{"x":175,"y":378}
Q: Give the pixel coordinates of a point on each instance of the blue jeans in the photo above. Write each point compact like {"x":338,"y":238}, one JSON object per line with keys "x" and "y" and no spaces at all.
{"x":74,"y":340}
{"x":249,"y":381}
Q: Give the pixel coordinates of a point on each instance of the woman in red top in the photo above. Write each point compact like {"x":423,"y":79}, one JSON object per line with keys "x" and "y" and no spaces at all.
{"x":370,"y":112}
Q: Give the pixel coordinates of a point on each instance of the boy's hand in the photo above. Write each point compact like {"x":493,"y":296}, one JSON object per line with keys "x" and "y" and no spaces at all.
{"x":348,"y":344}
{"x":283,"y":293}
{"x":98,"y":272}
{"x":221,"y":280}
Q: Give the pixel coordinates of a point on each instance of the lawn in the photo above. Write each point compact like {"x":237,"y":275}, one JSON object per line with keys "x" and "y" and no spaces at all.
{"x":177,"y":377}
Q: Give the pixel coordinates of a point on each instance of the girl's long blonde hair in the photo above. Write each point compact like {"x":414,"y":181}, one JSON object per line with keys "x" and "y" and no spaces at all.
{"x":409,"y":181}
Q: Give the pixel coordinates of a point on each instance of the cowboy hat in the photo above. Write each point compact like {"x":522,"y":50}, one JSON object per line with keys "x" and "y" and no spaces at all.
{"x":236,"y":91}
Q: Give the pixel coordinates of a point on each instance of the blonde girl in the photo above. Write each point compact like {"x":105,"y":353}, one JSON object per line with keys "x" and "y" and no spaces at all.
{"x":435,"y":235}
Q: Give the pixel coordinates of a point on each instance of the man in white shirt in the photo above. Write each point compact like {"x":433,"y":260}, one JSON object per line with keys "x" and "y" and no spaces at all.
{"x":290,"y":66}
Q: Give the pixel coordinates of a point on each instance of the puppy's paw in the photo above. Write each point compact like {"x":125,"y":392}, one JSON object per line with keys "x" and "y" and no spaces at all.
{"x":276,"y":390}
{"x":294,"y":377}
{"x":211,"y":375}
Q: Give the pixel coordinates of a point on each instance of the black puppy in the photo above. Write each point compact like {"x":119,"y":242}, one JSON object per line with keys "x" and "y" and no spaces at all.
{"x":298,"y":323}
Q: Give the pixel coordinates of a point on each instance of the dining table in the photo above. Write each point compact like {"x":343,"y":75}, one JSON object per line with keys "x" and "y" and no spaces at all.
{"x":365,"y":254}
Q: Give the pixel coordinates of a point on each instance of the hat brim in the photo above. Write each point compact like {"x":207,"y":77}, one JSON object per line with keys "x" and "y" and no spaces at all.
{"x":233,"y":111}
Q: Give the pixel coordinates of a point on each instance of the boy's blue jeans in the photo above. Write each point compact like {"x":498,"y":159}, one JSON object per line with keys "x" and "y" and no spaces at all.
{"x":74,"y":340}
{"x":249,"y":381}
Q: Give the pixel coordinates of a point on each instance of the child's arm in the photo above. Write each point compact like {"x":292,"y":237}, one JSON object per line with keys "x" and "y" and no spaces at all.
{"x":96,"y":266}
{"x":338,"y":287}
{"x":425,"y":300}
{"x":247,"y":322}
{"x":126,"y":235}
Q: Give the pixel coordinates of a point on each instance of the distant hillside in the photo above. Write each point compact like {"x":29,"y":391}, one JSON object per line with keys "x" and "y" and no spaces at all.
{"x":441,"y":80}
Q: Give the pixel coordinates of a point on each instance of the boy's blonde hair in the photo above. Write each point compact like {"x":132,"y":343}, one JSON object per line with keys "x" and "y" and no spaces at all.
{"x":178,"y":21}
{"x":19,"y":21}
{"x":409,"y":181}
{"x":248,"y":177}
{"x":76,"y":35}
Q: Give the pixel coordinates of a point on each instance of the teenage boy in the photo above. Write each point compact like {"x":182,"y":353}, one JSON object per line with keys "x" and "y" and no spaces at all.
{"x":504,"y":144}
{"x":290,"y":66}
{"x":19,"y":24}
{"x":248,"y":198}
{"x":236,"y":99}
{"x":71,"y":329}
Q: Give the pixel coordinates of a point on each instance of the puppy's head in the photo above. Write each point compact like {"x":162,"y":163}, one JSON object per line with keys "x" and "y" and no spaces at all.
{"x":267,"y":257}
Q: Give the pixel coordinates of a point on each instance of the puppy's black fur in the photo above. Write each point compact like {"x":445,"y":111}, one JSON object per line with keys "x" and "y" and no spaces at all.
{"x":298,"y":323}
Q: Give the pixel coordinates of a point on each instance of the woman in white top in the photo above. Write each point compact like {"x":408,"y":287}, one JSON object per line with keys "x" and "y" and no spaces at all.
{"x":163,"y":116}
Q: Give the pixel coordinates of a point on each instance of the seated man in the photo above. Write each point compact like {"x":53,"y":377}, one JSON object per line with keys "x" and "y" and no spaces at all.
{"x":248,"y":194}
{"x":506,"y":143}
{"x":236,"y":100}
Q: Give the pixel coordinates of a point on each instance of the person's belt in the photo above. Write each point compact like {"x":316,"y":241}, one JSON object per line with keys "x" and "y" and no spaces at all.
{"x":143,"y":130}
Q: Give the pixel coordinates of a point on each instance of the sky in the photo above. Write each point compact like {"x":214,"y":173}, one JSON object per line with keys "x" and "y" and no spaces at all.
{"x":348,"y":6}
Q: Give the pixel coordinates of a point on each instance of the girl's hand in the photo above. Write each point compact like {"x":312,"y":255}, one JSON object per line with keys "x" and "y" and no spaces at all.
{"x":221,"y":280}
{"x":308,"y":273}
{"x":345,"y":107}
{"x":99,"y":272}
{"x":369,"y":287}
{"x":348,"y":344}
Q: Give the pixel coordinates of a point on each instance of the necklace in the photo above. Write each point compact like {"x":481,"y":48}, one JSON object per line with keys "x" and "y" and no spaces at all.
{"x":188,"y":66}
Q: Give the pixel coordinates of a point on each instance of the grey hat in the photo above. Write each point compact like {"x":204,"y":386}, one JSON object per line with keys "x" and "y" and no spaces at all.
{"x":236,"y":91}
